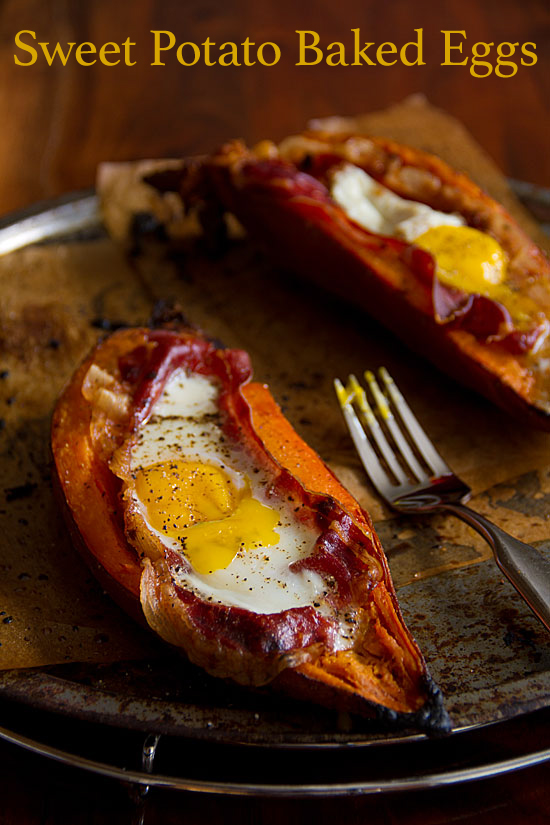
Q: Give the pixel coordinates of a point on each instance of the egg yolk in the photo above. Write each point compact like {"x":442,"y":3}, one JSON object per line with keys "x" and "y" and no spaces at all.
{"x":474,"y":262}
{"x":198,"y":505}
{"x":465,"y":257}
{"x":179,"y":493}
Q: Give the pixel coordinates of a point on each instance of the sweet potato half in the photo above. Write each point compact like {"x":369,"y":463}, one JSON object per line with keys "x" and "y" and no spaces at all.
{"x":380,"y":672}
{"x":282,"y":196}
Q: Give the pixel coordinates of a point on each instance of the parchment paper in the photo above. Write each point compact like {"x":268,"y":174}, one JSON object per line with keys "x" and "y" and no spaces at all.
{"x":51,"y":609}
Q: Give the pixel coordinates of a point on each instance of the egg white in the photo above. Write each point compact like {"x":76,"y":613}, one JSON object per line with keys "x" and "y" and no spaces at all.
{"x":376,"y":208}
{"x":185,"y":424}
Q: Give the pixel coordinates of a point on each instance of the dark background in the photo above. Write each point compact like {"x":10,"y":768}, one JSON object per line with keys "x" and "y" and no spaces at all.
{"x":58,"y":122}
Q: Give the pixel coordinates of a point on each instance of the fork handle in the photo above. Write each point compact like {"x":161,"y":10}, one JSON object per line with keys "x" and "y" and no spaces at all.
{"x":524,"y":566}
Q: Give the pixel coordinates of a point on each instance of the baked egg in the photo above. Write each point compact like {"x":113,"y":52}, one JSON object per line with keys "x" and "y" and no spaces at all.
{"x":465,"y":258}
{"x":193,"y":490}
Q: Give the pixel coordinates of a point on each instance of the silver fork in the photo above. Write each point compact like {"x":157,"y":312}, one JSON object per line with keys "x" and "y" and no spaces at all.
{"x":419,"y":481}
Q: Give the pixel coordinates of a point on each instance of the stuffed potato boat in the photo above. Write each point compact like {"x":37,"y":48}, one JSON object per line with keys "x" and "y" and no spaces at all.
{"x":192,"y":496}
{"x":402,"y":235}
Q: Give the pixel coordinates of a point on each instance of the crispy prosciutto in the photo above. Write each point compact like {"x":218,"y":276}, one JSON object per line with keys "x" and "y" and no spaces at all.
{"x":344,"y":642}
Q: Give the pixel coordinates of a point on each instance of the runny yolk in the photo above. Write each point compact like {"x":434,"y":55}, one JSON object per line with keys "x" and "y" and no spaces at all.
{"x":178,"y":494}
{"x":199,"y":505}
{"x":474,"y":262}
{"x":466,"y":258}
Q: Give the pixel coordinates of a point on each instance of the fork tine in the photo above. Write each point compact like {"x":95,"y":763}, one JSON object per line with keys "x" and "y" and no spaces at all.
{"x":417,"y":434}
{"x":368,"y":457}
{"x":369,"y":418}
{"x":401,"y":442}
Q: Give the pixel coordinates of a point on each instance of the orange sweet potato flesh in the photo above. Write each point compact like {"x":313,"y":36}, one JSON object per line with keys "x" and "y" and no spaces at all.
{"x":277,"y":194}
{"x":382,"y":673}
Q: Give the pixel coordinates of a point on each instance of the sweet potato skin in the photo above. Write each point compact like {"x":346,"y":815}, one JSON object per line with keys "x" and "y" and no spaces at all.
{"x":87,"y":489}
{"x":318,"y":242}
{"x":384,"y":675}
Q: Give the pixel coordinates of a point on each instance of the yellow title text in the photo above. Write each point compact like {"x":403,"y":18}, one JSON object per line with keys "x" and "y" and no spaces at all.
{"x":482,"y":59}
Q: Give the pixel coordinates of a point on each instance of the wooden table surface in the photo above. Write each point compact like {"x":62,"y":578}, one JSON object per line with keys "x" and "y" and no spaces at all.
{"x":59,"y":121}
